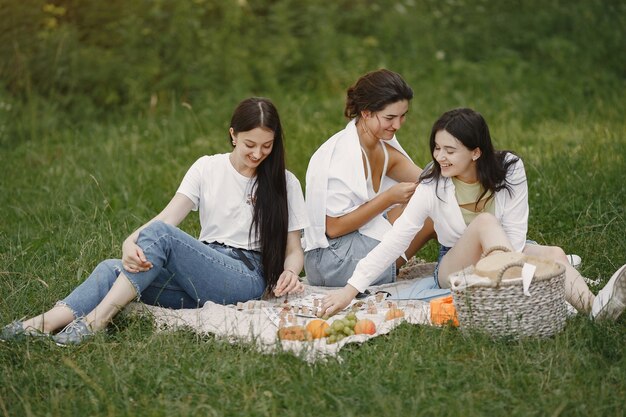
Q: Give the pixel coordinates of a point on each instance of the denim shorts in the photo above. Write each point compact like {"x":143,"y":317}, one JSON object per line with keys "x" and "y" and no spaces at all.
{"x":334,"y":265}
{"x":442,"y":251}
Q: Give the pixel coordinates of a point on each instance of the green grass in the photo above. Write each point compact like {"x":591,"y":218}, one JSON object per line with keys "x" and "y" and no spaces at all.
{"x":70,"y":197}
{"x":414,"y":371}
{"x":85,"y":161}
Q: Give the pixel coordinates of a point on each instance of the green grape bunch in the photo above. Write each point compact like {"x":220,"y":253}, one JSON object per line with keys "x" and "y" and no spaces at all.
{"x":341,"y":328}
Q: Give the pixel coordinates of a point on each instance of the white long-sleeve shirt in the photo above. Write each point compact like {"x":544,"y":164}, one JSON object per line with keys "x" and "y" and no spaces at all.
{"x":511,"y":209}
{"x":336,"y":185}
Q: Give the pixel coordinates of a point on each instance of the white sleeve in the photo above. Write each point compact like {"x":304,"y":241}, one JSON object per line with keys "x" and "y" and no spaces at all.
{"x":191,"y":184}
{"x":394,"y":243}
{"x":515,"y":215}
{"x":338,"y":201}
{"x":298,"y":218}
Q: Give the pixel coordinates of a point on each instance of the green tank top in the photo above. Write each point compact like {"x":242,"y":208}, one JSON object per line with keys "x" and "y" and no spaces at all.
{"x":467,"y":194}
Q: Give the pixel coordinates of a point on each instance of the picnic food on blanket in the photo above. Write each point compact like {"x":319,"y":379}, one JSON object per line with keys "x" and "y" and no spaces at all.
{"x":442,"y":311}
{"x":341,"y":328}
{"x":371,"y":308}
{"x":365,"y":326}
{"x":394,"y":313}
{"x":317,"y":328}
{"x":294,"y":333}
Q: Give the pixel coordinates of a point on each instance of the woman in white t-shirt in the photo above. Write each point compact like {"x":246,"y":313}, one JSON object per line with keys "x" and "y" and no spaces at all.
{"x":251,"y":213}
{"x":358,"y":182}
{"x":478,"y":200}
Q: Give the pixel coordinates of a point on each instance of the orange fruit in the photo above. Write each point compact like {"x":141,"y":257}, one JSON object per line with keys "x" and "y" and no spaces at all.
{"x":317,"y":328}
{"x":364,"y":326}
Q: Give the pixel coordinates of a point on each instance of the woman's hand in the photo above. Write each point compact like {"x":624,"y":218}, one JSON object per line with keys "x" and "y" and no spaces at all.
{"x":402,"y":192}
{"x":337,"y":300}
{"x":288,"y":282}
{"x":133,"y":258}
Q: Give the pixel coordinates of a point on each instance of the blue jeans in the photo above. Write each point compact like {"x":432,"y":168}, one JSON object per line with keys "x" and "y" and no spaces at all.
{"x":185,"y":273}
{"x":442,"y":251}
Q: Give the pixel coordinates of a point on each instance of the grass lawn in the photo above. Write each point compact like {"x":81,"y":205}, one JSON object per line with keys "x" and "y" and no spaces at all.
{"x":70,"y":197}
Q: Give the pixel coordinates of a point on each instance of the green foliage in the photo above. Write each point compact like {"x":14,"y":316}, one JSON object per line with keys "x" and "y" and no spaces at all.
{"x":93,"y":58}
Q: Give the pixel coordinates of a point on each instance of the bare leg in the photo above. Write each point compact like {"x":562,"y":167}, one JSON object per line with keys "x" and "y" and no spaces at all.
{"x":483,"y":233}
{"x":576,"y":291}
{"x":121,"y":293}
{"x":57,"y":317}
{"x":421,"y":238}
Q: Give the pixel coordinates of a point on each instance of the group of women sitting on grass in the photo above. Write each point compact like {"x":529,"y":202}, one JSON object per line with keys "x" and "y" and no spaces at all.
{"x":368,"y":209}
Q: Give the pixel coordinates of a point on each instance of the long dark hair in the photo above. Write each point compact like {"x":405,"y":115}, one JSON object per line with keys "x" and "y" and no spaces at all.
{"x":270,"y":214}
{"x":470,"y":128}
{"x":374,"y":91}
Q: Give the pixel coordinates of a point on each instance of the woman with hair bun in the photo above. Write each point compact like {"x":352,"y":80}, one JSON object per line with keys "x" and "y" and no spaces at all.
{"x":358,"y":182}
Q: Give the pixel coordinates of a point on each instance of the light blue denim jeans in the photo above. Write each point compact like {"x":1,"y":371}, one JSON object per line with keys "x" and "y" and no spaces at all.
{"x":185,"y":273}
{"x":334,"y":265}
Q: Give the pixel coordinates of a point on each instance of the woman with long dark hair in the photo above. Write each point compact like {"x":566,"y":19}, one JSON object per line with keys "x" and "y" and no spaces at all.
{"x":358,"y":182}
{"x":477,"y":198}
{"x":251,"y":214}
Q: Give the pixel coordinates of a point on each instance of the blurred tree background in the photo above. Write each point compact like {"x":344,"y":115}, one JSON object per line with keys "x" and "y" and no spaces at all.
{"x":67,"y":61}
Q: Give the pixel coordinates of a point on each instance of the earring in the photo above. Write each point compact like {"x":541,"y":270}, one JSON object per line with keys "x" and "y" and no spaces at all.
{"x":474,"y":158}
{"x":234,"y":143}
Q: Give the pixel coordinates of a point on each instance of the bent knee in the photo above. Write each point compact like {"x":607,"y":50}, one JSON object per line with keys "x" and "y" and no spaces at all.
{"x":158,"y":225}
{"x":110,"y":266}
{"x":486,"y":220}
{"x":553,"y":252}
{"x":158,"y":228}
{"x":557,"y":253}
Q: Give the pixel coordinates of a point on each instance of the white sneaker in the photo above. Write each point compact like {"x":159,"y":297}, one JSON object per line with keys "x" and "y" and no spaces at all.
{"x":611,"y":300}
{"x":574,"y":260}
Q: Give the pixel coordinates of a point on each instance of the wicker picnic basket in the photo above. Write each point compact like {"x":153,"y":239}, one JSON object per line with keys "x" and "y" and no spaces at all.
{"x":498,"y":304}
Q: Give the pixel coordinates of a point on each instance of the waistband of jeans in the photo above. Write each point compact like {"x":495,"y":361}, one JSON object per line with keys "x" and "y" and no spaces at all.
{"x":241,"y":253}
{"x":228,"y":246}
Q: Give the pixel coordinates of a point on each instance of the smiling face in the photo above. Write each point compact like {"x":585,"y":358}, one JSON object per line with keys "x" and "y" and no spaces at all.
{"x":251,"y":148}
{"x":454,"y":158}
{"x":383,"y":124}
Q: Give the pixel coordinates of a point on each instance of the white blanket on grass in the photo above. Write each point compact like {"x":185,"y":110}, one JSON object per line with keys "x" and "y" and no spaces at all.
{"x":249,"y":323}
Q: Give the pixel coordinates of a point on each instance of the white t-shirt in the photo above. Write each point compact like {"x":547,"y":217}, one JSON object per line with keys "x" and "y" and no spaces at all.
{"x":511,"y":210}
{"x":224,"y":199}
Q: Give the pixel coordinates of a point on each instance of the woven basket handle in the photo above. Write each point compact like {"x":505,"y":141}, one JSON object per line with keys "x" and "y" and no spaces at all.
{"x":505,"y":268}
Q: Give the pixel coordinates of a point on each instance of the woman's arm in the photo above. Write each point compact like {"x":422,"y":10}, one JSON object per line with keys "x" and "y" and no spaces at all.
{"x":400,"y":169}
{"x":289,"y":280}
{"x":175,"y":212}
{"x":387,"y":251}
{"x":398,"y":194}
{"x":515,"y":215}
